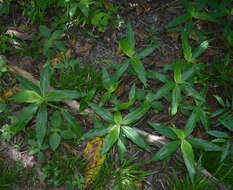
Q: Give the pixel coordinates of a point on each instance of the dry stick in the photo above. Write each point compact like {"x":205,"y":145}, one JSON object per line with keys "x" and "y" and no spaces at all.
{"x":159,"y":141}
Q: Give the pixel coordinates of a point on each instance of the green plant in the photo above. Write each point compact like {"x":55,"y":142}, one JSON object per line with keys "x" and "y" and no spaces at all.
{"x":9,"y":177}
{"x":200,"y":182}
{"x":152,"y":37}
{"x":125,"y":177}
{"x":222,"y":170}
{"x":181,"y":139}
{"x":128,"y":48}
{"x":4,"y":42}
{"x":219,"y":74}
{"x":211,"y":11}
{"x":83,"y":78}
{"x":3,"y":68}
{"x":225,"y":116}
{"x":65,"y":170}
{"x":182,"y":83}
{"x":71,"y":75}
{"x":118,"y":129}
{"x":36,"y":10}
{"x":225,"y":119}
{"x":39,"y":99}
{"x":4,"y":7}
{"x":52,"y":40}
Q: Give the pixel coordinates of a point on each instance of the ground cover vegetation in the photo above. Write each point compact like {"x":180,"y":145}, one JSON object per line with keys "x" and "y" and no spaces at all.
{"x":74,"y":119}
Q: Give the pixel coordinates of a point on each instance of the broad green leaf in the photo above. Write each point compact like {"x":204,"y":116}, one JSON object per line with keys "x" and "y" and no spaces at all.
{"x":130,"y":35}
{"x":28,"y":85}
{"x":60,"y":45}
{"x":2,"y":107}
{"x":139,"y":69}
{"x":104,"y":98}
{"x":121,"y":147}
{"x":179,"y":133}
{"x":45,"y":79}
{"x":166,"y":151}
{"x":157,"y":106}
{"x":140,"y":95}
{"x":220,"y":100}
{"x":68,"y":134}
{"x":204,"y":119}
{"x":113,"y":86}
{"x":219,"y":140}
{"x":225,"y":151}
{"x":27,"y":96}
{"x":99,"y":132}
{"x":190,"y":91}
{"x":62,"y":95}
{"x":110,"y":139}
{"x":216,"y":113}
{"x":135,"y":137}
{"x":190,"y":72}
{"x":187,"y":5}
{"x":132,"y":92}
{"x":122,"y":106}
{"x":126,"y":48}
{"x":163,"y":130}
{"x":73,"y":9}
{"x":177,"y":72}
{"x":84,"y":8}
{"x":40,"y":156}
{"x":163,"y":91}
{"x":227,"y":59}
{"x":203,"y":144}
{"x":105,"y":78}
{"x":117,"y":117}
{"x":146,"y":51}
{"x":54,"y":141}
{"x":179,"y":20}
{"x":206,"y":16}
{"x":44,"y":31}
{"x":34,"y":151}
{"x":117,"y":75}
{"x":47,"y":45}
{"x":176,"y":96}
{"x":218,"y":134}
{"x":97,"y":122}
{"x":201,"y":48}
{"x":57,"y":34}
{"x":73,"y":124}
{"x":23,"y":119}
{"x":190,"y":124}
{"x":41,"y":124}
{"x":56,"y":121}
{"x":188,"y":156}
{"x":136,"y":115}
{"x":186,"y":47}
{"x":155,"y":75}
{"x":105,"y":114}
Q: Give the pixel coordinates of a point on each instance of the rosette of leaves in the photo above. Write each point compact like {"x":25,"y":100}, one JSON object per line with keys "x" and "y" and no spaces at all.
{"x":128,"y":47}
{"x":118,"y":129}
{"x":39,"y":99}
{"x":180,"y":139}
